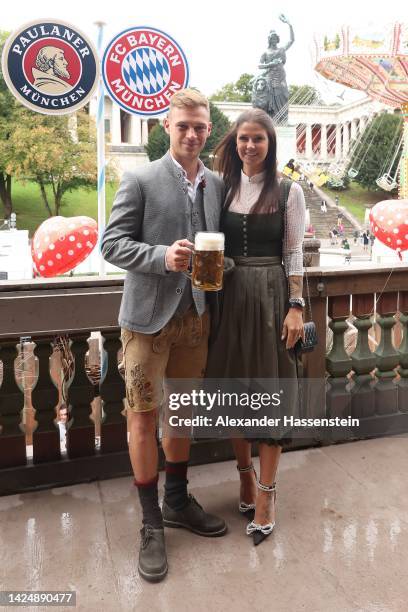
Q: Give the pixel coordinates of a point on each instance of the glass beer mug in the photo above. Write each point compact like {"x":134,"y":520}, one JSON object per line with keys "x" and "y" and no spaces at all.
{"x":208,"y":261}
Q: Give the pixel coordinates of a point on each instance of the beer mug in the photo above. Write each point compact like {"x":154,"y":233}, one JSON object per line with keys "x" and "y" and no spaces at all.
{"x":208,"y":261}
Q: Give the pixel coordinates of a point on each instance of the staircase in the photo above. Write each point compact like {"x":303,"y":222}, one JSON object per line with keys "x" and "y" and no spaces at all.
{"x":324,"y":222}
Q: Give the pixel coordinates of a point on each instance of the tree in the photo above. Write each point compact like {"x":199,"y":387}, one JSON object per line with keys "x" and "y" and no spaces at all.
{"x":220,"y":126}
{"x":240,"y":91}
{"x":159,"y":142}
{"x":375,"y":150}
{"x":8,"y":109}
{"x":54,"y":151}
{"x":304,"y":95}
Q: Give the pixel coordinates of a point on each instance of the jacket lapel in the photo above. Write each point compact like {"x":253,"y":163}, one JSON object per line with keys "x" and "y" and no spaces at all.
{"x":211,"y":206}
{"x":210,"y":203}
{"x":174,"y":172}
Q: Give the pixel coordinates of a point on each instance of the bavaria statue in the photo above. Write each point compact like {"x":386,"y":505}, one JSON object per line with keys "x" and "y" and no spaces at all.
{"x":270,"y":90}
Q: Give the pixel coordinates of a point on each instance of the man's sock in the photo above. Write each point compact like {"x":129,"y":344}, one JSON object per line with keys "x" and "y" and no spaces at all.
{"x":148,"y":495}
{"x":175,"y":488}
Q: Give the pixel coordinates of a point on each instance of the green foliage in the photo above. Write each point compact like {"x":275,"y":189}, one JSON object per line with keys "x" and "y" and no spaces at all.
{"x":220,"y":126}
{"x":375,"y":151}
{"x":356,"y":198}
{"x":30,"y":211}
{"x":338,"y":184}
{"x":240,"y":91}
{"x":159,"y":142}
{"x":53,"y":150}
{"x":304,"y":95}
{"x":8,"y":112}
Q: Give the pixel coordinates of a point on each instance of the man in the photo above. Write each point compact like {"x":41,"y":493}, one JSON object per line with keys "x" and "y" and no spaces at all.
{"x":51,"y":70}
{"x":62,"y":424}
{"x":346,"y":246}
{"x":165,"y":323}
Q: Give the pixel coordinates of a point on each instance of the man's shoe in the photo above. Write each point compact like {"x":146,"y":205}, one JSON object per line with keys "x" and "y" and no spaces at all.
{"x":194,"y":518}
{"x":152,"y":555}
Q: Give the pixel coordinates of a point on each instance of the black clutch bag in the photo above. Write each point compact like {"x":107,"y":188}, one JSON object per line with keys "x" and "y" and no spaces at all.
{"x":307,"y":345}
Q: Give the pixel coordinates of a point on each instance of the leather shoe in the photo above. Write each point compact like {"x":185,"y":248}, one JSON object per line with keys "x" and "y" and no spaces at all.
{"x":194,"y":518}
{"x":152,"y":555}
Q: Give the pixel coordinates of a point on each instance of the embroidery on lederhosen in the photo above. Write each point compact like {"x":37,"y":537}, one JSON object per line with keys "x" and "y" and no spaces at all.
{"x":139,"y":382}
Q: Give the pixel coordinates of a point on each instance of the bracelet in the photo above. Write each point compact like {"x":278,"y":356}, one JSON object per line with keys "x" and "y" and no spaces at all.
{"x":297,"y":303}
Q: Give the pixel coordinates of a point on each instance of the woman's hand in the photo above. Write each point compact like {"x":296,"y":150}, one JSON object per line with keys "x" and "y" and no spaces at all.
{"x":293,"y":327}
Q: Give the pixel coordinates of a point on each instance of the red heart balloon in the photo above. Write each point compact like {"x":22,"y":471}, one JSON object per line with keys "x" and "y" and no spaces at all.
{"x":389,"y":223}
{"x":61,"y":243}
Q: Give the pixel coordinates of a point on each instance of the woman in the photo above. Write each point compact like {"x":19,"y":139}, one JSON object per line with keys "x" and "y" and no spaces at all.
{"x":261,"y":319}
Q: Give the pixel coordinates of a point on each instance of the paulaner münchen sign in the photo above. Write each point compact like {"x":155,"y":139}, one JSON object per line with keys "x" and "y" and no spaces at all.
{"x":50,"y":66}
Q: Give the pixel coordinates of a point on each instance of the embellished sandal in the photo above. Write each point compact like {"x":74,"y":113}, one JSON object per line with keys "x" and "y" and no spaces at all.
{"x":248,"y":510}
{"x":261,"y":532}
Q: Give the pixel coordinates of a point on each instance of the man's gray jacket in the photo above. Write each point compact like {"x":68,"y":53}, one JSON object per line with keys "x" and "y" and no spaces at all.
{"x":150,"y":213}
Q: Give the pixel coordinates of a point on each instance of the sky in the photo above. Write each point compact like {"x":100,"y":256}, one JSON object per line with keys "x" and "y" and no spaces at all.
{"x":220,"y":39}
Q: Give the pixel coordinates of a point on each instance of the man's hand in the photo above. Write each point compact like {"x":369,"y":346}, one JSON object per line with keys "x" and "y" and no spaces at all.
{"x":178,"y":255}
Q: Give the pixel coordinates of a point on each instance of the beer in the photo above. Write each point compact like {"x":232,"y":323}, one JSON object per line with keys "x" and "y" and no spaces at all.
{"x":208,"y":261}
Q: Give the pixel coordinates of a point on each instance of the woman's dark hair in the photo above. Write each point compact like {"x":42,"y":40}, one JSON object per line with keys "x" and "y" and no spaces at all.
{"x":229,"y":164}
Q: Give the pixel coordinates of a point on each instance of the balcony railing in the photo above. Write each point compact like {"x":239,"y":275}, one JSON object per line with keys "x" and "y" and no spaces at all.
{"x":364,"y":358}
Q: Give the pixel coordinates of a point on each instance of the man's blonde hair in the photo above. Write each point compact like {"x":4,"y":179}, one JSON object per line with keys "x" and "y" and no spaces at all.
{"x":188,"y":98}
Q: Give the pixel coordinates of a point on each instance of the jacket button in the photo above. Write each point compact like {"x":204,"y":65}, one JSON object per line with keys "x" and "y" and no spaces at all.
{"x":179,"y":290}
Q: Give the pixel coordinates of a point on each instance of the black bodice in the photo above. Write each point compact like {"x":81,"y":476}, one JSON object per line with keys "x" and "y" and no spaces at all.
{"x":253,"y":235}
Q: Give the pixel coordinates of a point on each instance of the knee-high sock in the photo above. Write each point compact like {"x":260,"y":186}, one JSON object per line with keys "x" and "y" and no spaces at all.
{"x":175,"y":486}
{"x":148,"y":495}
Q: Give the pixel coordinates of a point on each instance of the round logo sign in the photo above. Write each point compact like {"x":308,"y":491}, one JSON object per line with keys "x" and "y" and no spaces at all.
{"x":50,"y":67}
{"x":142,"y":68}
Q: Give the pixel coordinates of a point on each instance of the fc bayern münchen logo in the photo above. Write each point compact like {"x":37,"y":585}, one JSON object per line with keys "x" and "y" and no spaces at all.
{"x":142,"y":68}
{"x":50,"y":67}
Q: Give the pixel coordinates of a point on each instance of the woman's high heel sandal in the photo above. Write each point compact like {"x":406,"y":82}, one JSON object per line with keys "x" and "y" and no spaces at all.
{"x":248,"y":510}
{"x":260,"y":532}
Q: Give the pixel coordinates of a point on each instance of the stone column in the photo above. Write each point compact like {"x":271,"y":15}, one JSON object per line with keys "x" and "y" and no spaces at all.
{"x":116,"y":136}
{"x":338,"y":142}
{"x":346,"y":140}
{"x":338,"y":364}
{"x":135,"y":130}
{"x":308,"y":149}
{"x":362,"y":124}
{"x":386,"y":392}
{"x":323,"y":142}
{"x":145,"y":132}
{"x":353,"y":129}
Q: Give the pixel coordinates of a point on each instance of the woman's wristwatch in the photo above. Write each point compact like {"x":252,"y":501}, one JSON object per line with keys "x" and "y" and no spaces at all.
{"x":297,"y":303}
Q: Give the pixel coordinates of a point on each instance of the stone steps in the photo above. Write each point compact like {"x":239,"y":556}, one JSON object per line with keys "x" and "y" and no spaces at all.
{"x":324,"y":222}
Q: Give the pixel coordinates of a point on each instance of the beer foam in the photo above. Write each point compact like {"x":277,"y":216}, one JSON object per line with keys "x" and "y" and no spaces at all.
{"x":209,"y":241}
